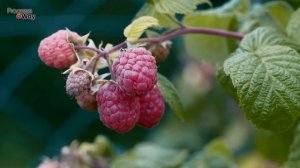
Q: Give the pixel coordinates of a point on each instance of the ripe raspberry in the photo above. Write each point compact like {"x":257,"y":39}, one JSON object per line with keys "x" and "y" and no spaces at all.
{"x":152,"y":108}
{"x":136,"y":71}
{"x":87,"y":101}
{"x":78,"y":82}
{"x":117,"y":110}
{"x":56,"y":51}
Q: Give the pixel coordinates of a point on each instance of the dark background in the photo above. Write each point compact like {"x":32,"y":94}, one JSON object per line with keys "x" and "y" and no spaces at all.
{"x":37,"y":117}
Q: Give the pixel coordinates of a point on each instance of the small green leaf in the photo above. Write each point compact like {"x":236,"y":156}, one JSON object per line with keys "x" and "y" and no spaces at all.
{"x":138,"y":26}
{"x":294,"y":155}
{"x":149,"y":10}
{"x":280,"y":12}
{"x":293,"y":28}
{"x":266,"y":75}
{"x":172,"y":7}
{"x":148,"y":155}
{"x":171,"y":96}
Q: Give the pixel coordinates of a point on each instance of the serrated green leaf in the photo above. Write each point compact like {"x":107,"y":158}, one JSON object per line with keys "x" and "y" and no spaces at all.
{"x":171,"y":96}
{"x":280,"y":12}
{"x":149,"y":10}
{"x":138,"y":26}
{"x":209,"y":47}
{"x":148,"y":155}
{"x":172,"y":7}
{"x":293,"y":28}
{"x":266,"y":75}
{"x":294,"y":155}
{"x":265,"y":36}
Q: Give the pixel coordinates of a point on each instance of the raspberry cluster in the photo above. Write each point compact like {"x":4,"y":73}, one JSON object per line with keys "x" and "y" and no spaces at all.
{"x":133,"y":98}
{"x":130,"y":98}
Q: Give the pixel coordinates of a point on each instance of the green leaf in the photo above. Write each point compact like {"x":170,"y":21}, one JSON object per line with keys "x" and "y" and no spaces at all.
{"x":171,"y":96}
{"x":226,"y":84}
{"x":209,"y":47}
{"x":294,"y":155}
{"x":274,"y":145}
{"x":148,"y":155}
{"x":234,"y":6}
{"x":280,"y":12}
{"x":149,"y":10}
{"x":172,"y":7}
{"x":215,"y":154}
{"x":266,"y":75}
{"x":293,"y":28}
{"x":265,"y":36}
{"x":138,"y":26}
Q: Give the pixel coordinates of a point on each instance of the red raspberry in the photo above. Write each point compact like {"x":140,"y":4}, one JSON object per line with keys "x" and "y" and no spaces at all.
{"x":152,"y":108}
{"x":87,"y":101}
{"x":136,"y":71}
{"x":78,"y":82}
{"x":117,"y":110}
{"x":56,"y":51}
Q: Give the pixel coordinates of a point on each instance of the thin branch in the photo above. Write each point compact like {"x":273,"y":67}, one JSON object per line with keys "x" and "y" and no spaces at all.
{"x":162,"y":38}
{"x":190,"y":30}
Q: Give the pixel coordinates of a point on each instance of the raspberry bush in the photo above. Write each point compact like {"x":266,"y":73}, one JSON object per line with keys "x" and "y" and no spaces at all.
{"x":258,"y":66}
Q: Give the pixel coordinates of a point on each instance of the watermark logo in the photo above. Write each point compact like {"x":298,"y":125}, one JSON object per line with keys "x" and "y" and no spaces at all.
{"x":25,"y":14}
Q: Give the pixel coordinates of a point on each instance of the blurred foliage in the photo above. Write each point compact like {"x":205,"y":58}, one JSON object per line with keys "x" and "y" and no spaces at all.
{"x":38,"y":118}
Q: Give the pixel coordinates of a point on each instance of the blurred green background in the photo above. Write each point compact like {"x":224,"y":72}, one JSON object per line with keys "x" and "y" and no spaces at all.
{"x":37,"y":117}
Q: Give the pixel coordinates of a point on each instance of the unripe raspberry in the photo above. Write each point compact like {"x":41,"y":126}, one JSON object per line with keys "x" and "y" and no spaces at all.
{"x":136,"y":71}
{"x":78,"y":82}
{"x":87,"y":101}
{"x":56,"y":51}
{"x":152,"y":108}
{"x":161,"y":51}
{"x":117,"y":110}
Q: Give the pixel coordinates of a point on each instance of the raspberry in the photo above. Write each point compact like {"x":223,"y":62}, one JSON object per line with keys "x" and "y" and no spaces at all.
{"x":136,"y":71}
{"x":87,"y":101}
{"x":152,"y":108}
{"x":78,"y":82}
{"x":117,"y":110}
{"x":56,"y":51}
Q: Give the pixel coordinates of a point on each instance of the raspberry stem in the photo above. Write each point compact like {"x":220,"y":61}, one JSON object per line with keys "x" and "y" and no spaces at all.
{"x":171,"y":35}
{"x":190,"y":30}
{"x":156,"y":40}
